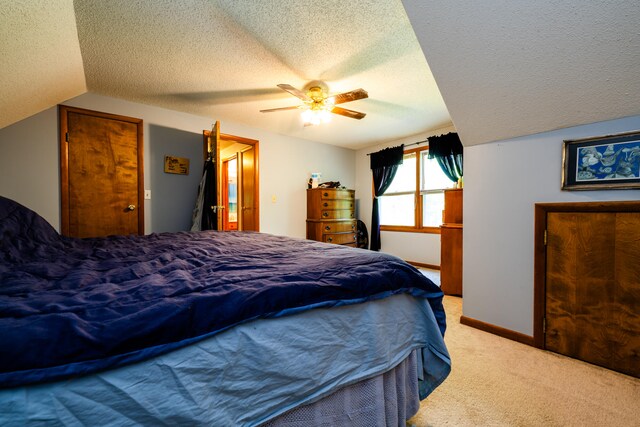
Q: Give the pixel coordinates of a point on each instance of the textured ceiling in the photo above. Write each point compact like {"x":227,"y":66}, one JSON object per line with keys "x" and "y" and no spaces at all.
{"x":510,"y":68}
{"x":40,"y":62}
{"x":223,"y":59}
{"x":505,"y":68}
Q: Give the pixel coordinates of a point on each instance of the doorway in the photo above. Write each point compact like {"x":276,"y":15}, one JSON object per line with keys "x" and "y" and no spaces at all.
{"x":101,"y":173}
{"x":587,"y":292}
{"x":242,"y":153}
{"x":230,"y":193}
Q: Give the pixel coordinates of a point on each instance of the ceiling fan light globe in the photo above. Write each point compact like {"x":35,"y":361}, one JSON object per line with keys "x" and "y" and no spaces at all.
{"x":307,"y":116}
{"x":325,"y":116}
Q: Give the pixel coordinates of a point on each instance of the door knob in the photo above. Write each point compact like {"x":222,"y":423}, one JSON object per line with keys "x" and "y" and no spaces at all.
{"x":131,"y":207}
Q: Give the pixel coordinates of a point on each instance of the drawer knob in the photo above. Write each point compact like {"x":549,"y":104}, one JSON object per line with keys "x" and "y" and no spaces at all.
{"x":325,"y":194}
{"x":325,"y":204}
{"x":326,"y":214}
{"x":351,"y":214}
{"x":330,"y":239}
{"x":353,"y":227}
{"x":327,"y":228}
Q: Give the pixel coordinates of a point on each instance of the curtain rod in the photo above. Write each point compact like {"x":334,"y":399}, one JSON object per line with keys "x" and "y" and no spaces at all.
{"x":408,"y":145}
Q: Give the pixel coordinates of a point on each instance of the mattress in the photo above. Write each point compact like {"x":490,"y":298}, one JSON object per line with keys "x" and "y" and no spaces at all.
{"x":247,"y":375}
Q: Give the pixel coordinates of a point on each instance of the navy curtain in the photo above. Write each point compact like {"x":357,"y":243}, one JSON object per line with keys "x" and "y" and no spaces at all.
{"x":384,"y":165}
{"x":447,"y":150}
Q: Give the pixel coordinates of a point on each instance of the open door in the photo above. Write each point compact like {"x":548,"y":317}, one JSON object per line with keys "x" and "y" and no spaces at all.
{"x":245,"y":150}
{"x":248,"y":181}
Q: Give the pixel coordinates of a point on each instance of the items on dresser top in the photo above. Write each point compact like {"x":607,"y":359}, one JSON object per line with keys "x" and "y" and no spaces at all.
{"x":331,"y":216}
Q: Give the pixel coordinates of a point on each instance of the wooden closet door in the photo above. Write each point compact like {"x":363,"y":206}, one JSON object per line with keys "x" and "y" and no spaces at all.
{"x":247,"y":193}
{"x":593,"y":288}
{"x":101,"y":174}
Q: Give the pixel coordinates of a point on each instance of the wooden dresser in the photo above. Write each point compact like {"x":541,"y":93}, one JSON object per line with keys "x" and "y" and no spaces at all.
{"x":451,"y":243}
{"x":331,"y":216}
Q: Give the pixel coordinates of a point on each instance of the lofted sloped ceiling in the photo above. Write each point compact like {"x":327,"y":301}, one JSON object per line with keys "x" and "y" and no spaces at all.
{"x":505,"y":68}
{"x":40,"y":63}
{"x":509,"y":68}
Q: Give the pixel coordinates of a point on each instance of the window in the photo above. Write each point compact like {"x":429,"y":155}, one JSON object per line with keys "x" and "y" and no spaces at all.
{"x":415,"y":199}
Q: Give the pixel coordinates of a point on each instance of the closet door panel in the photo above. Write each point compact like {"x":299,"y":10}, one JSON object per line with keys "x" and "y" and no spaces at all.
{"x":592,"y":288}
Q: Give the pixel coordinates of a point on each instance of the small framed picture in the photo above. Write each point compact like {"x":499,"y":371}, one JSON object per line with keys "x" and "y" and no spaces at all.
{"x":177,"y":165}
{"x":602,"y":163}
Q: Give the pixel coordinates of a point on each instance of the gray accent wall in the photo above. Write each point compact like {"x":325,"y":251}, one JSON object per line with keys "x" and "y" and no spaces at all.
{"x":174,"y":195}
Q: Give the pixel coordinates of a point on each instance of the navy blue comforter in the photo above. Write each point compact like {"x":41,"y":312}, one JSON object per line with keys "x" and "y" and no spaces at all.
{"x":74,"y":306}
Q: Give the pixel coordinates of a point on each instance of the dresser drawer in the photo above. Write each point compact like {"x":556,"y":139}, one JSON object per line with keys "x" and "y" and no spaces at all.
{"x":317,"y":229}
{"x":336,"y":204}
{"x":337,"y":194}
{"x":339,"y":238}
{"x":338,"y":227}
{"x":337,"y":214}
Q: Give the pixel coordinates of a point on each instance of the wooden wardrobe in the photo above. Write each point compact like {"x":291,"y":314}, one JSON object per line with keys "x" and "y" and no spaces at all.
{"x":451,"y":243}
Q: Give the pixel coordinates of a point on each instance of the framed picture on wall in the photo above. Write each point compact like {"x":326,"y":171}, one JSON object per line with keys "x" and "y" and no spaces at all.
{"x":177,"y":165}
{"x":602,"y":163}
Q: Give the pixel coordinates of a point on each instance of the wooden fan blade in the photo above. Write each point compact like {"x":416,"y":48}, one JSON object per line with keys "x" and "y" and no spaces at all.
{"x":348,"y":113}
{"x":270,"y":110}
{"x":353,"y":95}
{"x":295,"y":92}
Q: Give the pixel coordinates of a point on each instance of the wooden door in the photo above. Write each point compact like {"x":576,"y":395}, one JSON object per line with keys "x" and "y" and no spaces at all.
{"x":247,"y":195}
{"x":592,"y":302}
{"x":101,"y":167}
{"x":248,"y":182}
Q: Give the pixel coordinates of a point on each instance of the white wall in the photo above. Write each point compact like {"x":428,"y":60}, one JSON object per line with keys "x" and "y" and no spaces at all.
{"x":29,"y":162}
{"x":418,"y":247}
{"x":503,"y":181}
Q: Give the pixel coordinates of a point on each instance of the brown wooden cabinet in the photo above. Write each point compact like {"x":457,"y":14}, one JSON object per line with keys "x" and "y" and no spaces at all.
{"x":451,"y":243}
{"x":331,"y":216}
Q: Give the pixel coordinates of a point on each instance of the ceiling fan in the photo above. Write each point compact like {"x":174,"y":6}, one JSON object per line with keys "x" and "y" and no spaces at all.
{"x":317,"y":103}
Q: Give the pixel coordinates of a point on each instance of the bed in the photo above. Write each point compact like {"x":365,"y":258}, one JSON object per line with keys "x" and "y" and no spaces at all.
{"x":210,"y":328}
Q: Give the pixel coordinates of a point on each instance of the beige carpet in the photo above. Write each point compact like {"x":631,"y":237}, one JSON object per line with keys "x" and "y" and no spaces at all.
{"x":499,"y":382}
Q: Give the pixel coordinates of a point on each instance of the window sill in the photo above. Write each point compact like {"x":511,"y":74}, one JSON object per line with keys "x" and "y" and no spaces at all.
{"x":407,"y":229}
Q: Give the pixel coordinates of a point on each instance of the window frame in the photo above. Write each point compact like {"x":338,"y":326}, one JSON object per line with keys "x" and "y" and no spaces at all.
{"x":417,"y":200}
